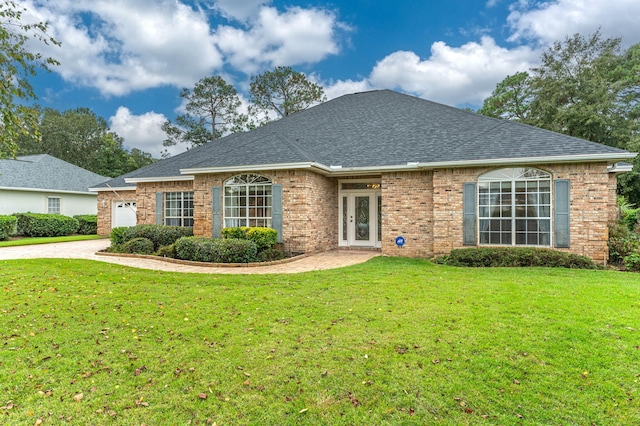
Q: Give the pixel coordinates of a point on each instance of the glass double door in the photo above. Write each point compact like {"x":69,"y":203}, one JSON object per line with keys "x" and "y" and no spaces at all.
{"x":361,"y":219}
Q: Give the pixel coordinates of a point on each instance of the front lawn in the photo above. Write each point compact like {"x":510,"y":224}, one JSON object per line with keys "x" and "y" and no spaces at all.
{"x":27,"y":241}
{"x":392,"y":341}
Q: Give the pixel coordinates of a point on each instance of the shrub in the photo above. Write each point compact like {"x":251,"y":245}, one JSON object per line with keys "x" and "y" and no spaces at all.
{"x":239,"y":232}
{"x":630,"y":218}
{"x":87,"y":224}
{"x":46,"y":225}
{"x":7,"y":226}
{"x":516,"y":257}
{"x":622,"y":242}
{"x":632,"y":262}
{"x":194,"y":248}
{"x":270,"y":254}
{"x":119,"y":235}
{"x":138,"y":246}
{"x":237,"y":251}
{"x":264,"y":238}
{"x":202,"y":249}
{"x":160,"y":235}
{"x":167,"y":251}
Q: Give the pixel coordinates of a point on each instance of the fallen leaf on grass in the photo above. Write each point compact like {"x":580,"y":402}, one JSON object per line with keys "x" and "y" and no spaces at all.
{"x":142,"y":403}
{"x":78,"y":397}
{"x":202,"y":395}
{"x":353,"y":400}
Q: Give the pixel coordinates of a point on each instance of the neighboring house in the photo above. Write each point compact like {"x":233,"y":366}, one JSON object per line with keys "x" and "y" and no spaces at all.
{"x":363,"y":169}
{"x":45,"y":184}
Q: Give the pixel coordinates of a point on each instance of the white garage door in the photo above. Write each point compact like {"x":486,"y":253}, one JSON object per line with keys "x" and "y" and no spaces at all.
{"x":124,"y":213}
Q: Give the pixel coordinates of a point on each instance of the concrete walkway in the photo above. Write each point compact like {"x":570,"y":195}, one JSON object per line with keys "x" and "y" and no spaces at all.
{"x":88,"y":249}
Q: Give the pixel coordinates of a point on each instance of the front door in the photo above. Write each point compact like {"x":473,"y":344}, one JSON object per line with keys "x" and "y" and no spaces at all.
{"x":360,"y":219}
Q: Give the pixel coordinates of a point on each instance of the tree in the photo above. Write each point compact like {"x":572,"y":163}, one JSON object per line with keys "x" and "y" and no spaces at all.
{"x":17,"y":64}
{"x":82,"y":138}
{"x":283,"y":92}
{"x":587,"y":87}
{"x":212,"y":110}
{"x":511,"y":100}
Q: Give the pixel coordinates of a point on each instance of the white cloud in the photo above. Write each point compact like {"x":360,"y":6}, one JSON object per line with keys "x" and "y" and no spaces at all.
{"x":296,"y":36}
{"x":239,"y":9}
{"x":121,"y":46}
{"x":142,"y":131}
{"x":334,"y":89}
{"x":126,"y":46}
{"x":555,"y":20}
{"x":452,"y":75}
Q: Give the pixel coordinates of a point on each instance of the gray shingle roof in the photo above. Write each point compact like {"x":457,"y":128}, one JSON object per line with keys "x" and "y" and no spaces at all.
{"x":44,"y":172}
{"x":380,"y":129}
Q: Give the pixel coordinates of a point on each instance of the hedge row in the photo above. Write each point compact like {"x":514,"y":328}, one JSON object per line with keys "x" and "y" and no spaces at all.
{"x":7,"y":226}
{"x":87,"y":224}
{"x":46,"y":225}
{"x":228,"y":250}
{"x":159,"y":235}
{"x":264,"y":238}
{"x":239,"y":245}
{"x":516,"y":257}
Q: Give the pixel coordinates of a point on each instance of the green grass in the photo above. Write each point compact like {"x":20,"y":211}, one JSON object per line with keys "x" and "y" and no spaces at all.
{"x":46,"y":240}
{"x":392,"y":341}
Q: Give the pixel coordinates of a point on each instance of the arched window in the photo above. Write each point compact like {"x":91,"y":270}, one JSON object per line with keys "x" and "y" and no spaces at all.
{"x":514,"y":207}
{"x":247,"y":201}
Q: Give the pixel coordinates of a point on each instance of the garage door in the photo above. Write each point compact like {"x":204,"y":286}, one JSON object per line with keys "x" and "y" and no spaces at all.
{"x":124,"y":213}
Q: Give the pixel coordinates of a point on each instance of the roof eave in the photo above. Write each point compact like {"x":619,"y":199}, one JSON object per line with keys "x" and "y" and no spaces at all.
{"x":345,"y":171}
{"x":158,"y":179}
{"x":579,"y":158}
{"x":113,"y":188}
{"x":51,"y":191}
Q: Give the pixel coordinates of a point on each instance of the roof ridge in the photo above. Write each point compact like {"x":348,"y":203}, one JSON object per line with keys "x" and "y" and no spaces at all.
{"x":295,"y":146}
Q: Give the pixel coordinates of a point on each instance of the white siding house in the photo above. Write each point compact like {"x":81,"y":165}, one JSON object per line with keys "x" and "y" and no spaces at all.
{"x":45,"y":184}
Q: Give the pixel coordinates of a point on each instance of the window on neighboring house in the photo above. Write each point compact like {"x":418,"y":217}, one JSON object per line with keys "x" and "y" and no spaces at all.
{"x":53,"y":205}
{"x":514,"y":207}
{"x":247,"y":201}
{"x":178,"y":208}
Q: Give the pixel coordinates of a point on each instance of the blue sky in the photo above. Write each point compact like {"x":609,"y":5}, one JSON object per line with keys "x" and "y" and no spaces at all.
{"x":128,"y":59}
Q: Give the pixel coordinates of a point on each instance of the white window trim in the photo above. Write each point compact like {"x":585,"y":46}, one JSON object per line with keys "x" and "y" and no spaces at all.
{"x":59,"y":204}
{"x":267,"y":221}
{"x":181,"y":217}
{"x":513,"y":180}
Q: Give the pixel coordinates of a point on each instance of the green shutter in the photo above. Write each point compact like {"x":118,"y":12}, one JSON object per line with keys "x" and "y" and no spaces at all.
{"x":216,"y":212}
{"x":469,"y":214}
{"x":158,"y":208}
{"x":562,"y":204}
{"x":276,"y":212}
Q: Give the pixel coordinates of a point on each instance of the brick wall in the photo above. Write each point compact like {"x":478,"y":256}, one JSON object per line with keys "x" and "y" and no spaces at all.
{"x":592,"y":206}
{"x":423,"y":206}
{"x":105,"y":206}
{"x":407,"y":198}
{"x":310,"y":207}
{"x":146,"y":197}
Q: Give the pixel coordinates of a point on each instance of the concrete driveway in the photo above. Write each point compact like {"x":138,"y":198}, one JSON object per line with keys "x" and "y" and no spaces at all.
{"x":88,"y":250}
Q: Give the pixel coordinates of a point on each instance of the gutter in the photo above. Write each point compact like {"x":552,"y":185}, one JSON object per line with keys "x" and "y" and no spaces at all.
{"x":50,"y":191}
{"x":338,"y":170}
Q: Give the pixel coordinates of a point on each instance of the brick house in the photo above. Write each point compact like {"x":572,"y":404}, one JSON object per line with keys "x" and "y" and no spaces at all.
{"x":360,"y":170}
